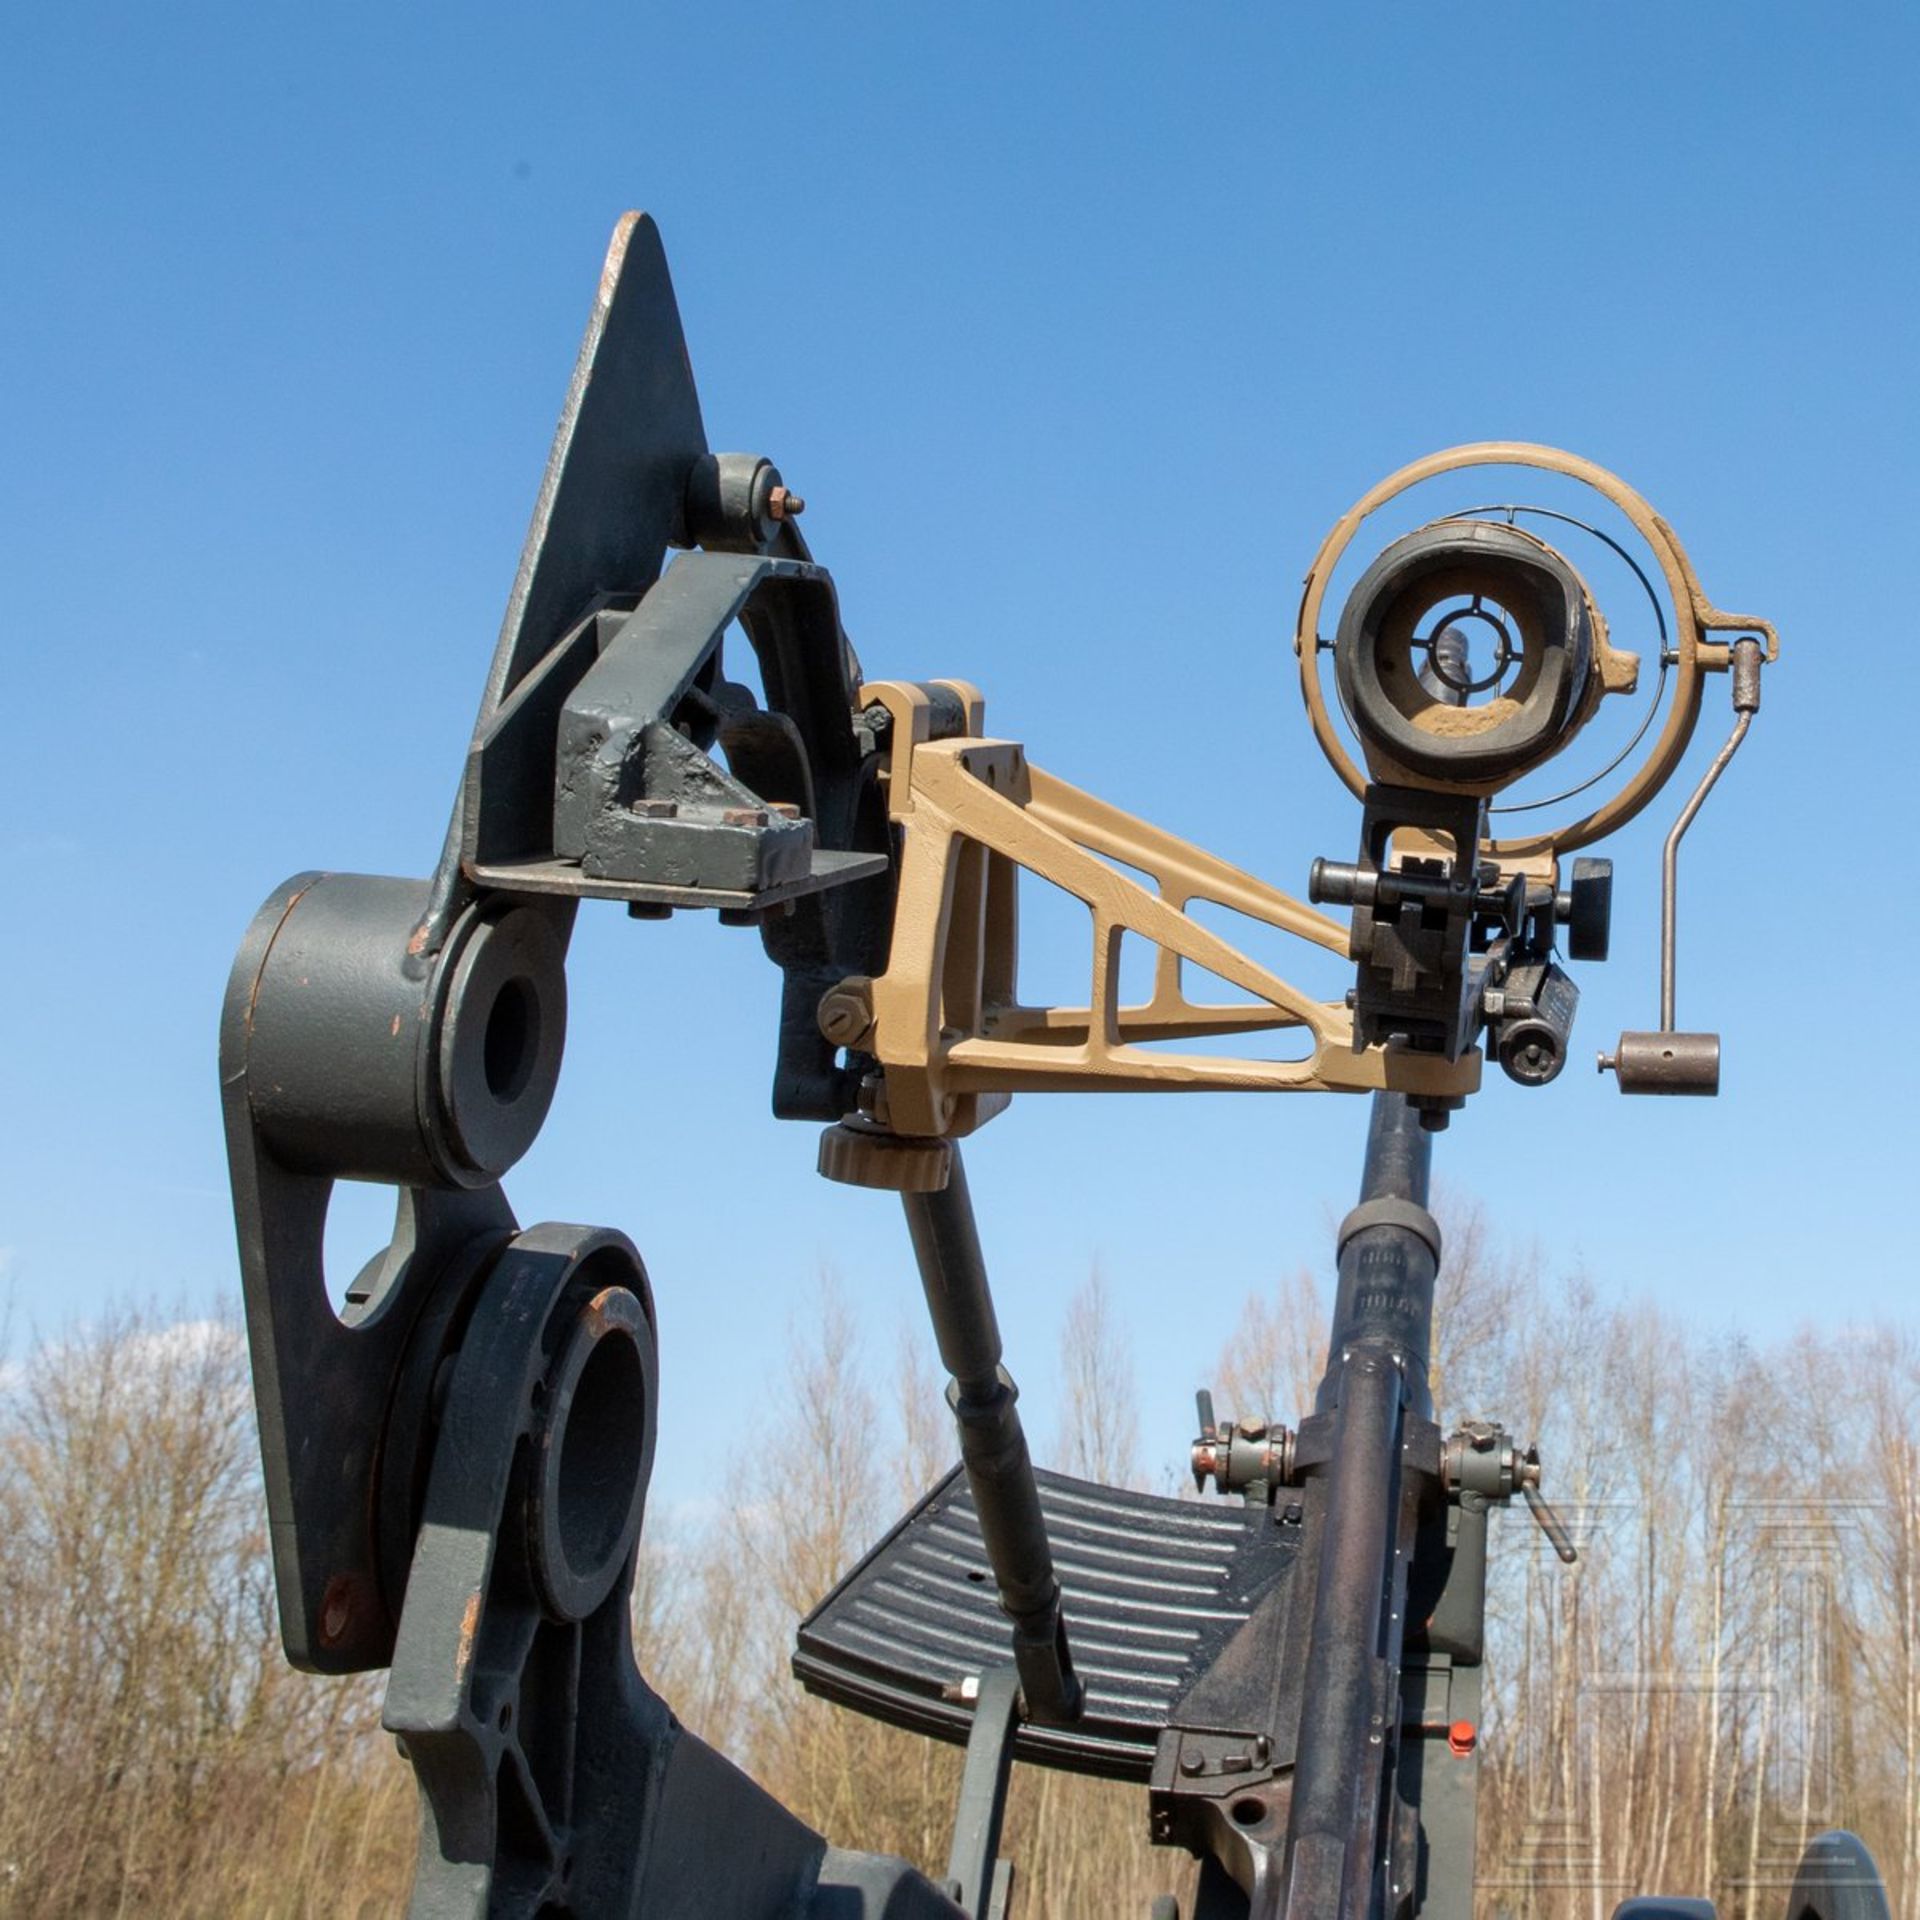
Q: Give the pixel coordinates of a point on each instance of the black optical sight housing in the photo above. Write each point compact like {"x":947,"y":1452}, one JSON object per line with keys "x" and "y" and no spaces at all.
{"x":1465,"y":657}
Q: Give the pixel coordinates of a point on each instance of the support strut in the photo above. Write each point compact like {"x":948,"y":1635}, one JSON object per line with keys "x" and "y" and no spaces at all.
{"x":993,"y":1446}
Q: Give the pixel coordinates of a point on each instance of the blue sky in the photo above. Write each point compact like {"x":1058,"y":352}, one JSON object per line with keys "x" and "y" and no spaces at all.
{"x":1077,"y":329}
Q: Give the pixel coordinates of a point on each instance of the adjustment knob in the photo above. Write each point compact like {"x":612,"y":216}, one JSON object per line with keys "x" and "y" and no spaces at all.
{"x":1586,"y":908}
{"x":865,"y":1156}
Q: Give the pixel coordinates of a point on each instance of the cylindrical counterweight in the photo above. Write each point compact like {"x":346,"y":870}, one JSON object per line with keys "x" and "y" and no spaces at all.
{"x":1666,"y":1063}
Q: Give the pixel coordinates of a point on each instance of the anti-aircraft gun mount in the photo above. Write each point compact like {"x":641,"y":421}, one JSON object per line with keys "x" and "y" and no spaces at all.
{"x":456,"y":1462}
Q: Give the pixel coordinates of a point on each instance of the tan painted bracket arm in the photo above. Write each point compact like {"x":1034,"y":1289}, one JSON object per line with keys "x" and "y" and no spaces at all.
{"x":946,"y":1021}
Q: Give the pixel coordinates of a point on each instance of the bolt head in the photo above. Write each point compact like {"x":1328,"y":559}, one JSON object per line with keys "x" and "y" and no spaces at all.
{"x":845,"y":1013}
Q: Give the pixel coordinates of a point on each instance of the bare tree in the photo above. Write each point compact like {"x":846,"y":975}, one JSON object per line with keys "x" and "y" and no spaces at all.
{"x":165,"y":1759}
{"x":1737,"y":1657}
{"x":1273,"y":1359}
{"x":1100,"y":1425}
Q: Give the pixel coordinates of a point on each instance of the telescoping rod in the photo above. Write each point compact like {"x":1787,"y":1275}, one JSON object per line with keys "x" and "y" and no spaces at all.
{"x":993,"y":1446}
{"x":1376,"y":1377}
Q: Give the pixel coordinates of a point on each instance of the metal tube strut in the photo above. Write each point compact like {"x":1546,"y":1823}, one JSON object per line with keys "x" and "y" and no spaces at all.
{"x":993,"y":1445}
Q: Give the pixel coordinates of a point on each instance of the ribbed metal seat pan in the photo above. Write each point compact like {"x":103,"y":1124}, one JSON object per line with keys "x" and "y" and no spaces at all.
{"x":1154,"y":1590}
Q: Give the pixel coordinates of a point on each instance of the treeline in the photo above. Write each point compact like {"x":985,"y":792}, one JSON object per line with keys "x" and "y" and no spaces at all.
{"x":1734,"y":1663}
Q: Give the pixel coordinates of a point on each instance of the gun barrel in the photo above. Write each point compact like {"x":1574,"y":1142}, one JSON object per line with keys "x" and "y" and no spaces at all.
{"x":1354,"y":1659}
{"x":1389,"y":1257}
{"x":1375,"y":1381}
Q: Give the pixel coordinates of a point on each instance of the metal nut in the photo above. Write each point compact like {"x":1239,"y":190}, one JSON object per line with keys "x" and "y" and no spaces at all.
{"x":845,"y":1012}
{"x":784,"y":504}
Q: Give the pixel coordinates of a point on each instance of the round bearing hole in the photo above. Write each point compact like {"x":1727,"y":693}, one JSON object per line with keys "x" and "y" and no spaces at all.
{"x":601,"y":1453}
{"x":512,"y":1040}
{"x":1248,"y":1812}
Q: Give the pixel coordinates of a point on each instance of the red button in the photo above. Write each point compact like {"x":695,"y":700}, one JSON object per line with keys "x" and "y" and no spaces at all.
{"x":1462,"y":1737}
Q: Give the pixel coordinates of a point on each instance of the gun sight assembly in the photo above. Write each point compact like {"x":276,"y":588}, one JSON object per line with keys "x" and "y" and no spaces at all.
{"x":456,"y":1458}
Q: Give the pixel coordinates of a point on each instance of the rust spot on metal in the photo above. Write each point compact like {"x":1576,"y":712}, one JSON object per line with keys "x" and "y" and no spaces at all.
{"x":260,"y":973}
{"x":593,"y":1315}
{"x":616,"y":258}
{"x":337,"y":1609}
{"x":469,"y":1628}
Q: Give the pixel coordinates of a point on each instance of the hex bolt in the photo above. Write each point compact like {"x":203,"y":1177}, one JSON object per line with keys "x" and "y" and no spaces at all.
{"x":743,"y":816}
{"x":784,"y":504}
{"x":846,"y":1012}
{"x":654,"y":809}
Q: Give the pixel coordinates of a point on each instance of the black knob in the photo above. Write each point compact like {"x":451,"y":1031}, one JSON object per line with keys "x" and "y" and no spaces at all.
{"x":1531,"y":1051}
{"x":1587,"y":909}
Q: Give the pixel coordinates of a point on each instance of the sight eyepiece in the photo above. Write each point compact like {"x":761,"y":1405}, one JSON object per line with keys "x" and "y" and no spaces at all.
{"x":1465,"y":656}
